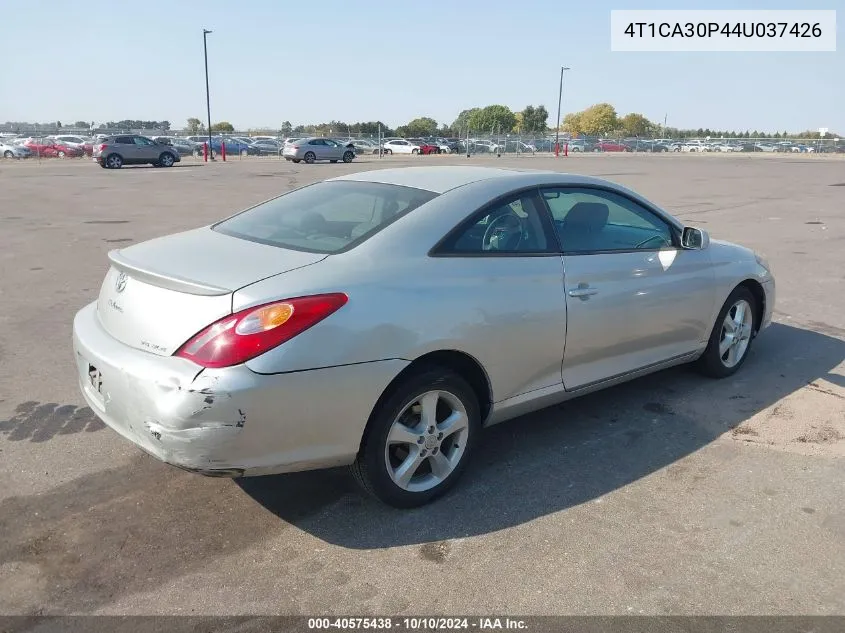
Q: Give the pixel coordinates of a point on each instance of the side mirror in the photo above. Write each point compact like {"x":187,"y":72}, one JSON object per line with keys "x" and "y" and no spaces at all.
{"x":695,"y":239}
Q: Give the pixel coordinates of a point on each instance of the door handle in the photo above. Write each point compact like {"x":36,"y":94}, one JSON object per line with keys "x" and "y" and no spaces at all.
{"x":582,"y":291}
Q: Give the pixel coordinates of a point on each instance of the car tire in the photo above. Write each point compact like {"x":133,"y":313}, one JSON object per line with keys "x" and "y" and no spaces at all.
{"x":415,"y":151}
{"x":388,"y":151}
{"x":166,"y":160}
{"x":348,"y":156}
{"x":8,"y":154}
{"x":727,"y":348}
{"x":114,"y":161}
{"x":378,"y":466}
{"x":61,"y":154}
{"x":309,"y":157}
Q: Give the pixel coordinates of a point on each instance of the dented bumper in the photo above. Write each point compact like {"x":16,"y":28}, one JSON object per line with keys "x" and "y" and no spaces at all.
{"x":230,"y":421}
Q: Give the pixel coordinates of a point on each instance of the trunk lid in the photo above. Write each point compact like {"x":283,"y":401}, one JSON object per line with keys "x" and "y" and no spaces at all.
{"x":157,"y":294}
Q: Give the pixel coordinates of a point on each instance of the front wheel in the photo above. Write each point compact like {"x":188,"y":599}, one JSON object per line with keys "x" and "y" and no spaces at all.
{"x":348,"y":156}
{"x":310,"y":157}
{"x":388,"y":151}
{"x":166,"y":160}
{"x":415,"y":151}
{"x":420,"y":439}
{"x":61,"y":154}
{"x":731,"y":337}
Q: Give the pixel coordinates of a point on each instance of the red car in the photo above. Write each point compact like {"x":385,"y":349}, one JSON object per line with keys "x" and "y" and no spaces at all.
{"x":425,"y":146}
{"x":48,"y":148}
{"x":609,"y":146}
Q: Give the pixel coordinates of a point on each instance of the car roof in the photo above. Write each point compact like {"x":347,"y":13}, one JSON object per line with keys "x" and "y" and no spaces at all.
{"x":440,"y":179}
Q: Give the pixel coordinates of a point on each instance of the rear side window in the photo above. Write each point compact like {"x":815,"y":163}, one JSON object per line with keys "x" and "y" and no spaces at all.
{"x":326,"y":217}
{"x":124,"y":140}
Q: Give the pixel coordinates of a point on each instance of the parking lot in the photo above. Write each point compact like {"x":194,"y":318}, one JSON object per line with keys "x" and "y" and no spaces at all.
{"x":672,"y":494}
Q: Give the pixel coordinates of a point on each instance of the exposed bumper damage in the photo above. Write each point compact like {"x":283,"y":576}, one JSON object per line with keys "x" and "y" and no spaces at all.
{"x":231,"y":421}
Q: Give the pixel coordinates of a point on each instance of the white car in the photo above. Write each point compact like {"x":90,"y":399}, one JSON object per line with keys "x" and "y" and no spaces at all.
{"x":695,"y":146}
{"x":71,"y":140}
{"x":401,"y":146}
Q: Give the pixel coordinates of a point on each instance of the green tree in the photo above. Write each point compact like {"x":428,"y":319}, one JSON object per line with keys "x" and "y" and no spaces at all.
{"x":81,"y":124}
{"x":492,"y":118}
{"x":460,"y":125}
{"x":286,"y":129}
{"x":422,"y":126}
{"x":634,"y":124}
{"x":598,"y":119}
{"x":195,"y":125}
{"x":534,"y":119}
{"x":222,"y":126}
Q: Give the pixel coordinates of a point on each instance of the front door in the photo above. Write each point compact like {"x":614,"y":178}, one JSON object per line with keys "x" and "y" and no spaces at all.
{"x":634,"y":297}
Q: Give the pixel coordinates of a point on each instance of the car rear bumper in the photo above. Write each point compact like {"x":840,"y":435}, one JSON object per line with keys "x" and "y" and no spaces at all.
{"x":231,"y":421}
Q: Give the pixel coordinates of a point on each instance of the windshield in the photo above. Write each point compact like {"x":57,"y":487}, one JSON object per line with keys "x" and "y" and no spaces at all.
{"x":326,"y":217}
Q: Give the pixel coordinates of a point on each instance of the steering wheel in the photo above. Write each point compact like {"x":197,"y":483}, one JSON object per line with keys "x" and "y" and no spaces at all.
{"x":652,"y":238}
{"x":502,"y":228}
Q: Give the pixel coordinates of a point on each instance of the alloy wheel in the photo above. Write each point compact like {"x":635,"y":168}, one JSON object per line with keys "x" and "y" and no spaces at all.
{"x":426,"y":441}
{"x":736,"y":333}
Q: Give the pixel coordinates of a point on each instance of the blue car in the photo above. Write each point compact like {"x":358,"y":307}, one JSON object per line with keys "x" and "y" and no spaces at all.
{"x":233,"y":147}
{"x":11,"y":150}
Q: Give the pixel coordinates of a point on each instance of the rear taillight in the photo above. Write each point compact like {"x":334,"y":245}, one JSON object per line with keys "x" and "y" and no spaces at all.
{"x":102,"y":147}
{"x":244,"y":335}
{"x":296,"y":146}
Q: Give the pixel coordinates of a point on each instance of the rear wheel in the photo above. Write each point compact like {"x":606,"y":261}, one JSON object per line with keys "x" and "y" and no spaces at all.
{"x":8,"y":154}
{"x":419,"y":440}
{"x":61,"y":154}
{"x":388,"y":151}
{"x":732,"y":334}
{"x":114,"y":161}
{"x":310,"y":157}
{"x":415,"y":151}
{"x":348,"y":156}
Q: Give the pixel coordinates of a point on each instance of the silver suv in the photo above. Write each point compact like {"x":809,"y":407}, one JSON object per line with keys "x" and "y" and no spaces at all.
{"x":132,"y":149}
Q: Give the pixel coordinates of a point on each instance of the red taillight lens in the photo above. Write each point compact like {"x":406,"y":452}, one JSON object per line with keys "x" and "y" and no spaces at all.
{"x":102,"y":147}
{"x":244,"y":335}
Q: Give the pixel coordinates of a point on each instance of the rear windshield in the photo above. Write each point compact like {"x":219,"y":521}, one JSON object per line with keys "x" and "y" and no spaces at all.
{"x":326,"y":217}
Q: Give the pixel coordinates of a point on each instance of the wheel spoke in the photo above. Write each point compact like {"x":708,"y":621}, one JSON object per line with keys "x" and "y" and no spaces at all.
{"x":729,"y":324}
{"x":731,"y":359}
{"x":408,"y":468}
{"x":440,"y":466}
{"x":726,"y":344}
{"x":401,"y":434}
{"x":456,"y":421}
{"x":739,"y":315}
{"x":429,"y":408}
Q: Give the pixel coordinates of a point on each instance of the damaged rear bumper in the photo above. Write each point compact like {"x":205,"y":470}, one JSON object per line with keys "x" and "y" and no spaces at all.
{"x":230,"y":421}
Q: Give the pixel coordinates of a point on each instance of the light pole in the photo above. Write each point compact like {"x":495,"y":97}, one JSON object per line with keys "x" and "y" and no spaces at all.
{"x":559,"y":100}
{"x":205,"y":33}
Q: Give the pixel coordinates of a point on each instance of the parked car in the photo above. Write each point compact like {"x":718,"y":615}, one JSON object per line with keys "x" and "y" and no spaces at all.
{"x":234,"y":146}
{"x":400,"y":146}
{"x":51,"y":148}
{"x":364,"y":146}
{"x":426,"y":147}
{"x":610,"y":146}
{"x":133,"y":149}
{"x":268,"y":147}
{"x":337,"y":288}
{"x":315,"y":149}
{"x":181,"y":145}
{"x":13,"y":150}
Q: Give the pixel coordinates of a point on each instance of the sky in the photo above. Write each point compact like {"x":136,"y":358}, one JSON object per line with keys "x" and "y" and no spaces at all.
{"x":321,"y":60}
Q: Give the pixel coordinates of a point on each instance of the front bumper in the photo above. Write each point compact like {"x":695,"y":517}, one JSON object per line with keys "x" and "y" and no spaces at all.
{"x":229,"y":421}
{"x":770,"y":291}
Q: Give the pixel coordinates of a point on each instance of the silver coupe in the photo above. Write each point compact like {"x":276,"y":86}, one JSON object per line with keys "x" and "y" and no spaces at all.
{"x":381,"y":319}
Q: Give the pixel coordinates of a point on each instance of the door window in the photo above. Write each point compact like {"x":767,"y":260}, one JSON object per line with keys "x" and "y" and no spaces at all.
{"x":514,"y":225}
{"x":596,"y":220}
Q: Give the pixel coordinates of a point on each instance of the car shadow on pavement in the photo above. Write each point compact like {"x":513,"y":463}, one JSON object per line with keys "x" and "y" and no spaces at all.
{"x":563,"y":456}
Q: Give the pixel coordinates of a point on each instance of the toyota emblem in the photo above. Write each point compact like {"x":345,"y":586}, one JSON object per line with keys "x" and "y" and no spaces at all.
{"x":120,"y":282}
